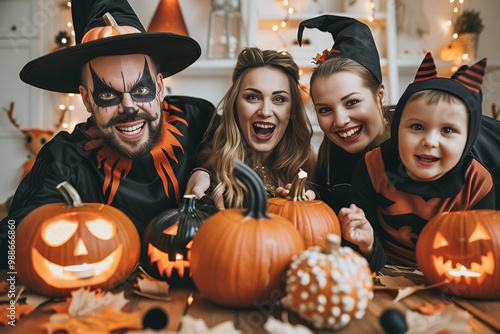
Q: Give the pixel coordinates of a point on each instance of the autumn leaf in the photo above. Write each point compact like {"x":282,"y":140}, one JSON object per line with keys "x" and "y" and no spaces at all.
{"x":275,"y":326}
{"x":450,"y":320}
{"x":429,"y":308}
{"x":20,"y":309}
{"x":94,"y":312}
{"x":152,"y":288}
{"x":404,"y":286}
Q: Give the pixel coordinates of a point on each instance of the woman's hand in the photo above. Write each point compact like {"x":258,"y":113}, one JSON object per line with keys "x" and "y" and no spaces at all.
{"x":356,"y":228}
{"x":198,"y":183}
{"x":283,"y":192}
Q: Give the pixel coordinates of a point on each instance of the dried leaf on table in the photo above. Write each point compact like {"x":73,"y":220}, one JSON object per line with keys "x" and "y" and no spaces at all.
{"x":274,"y":326}
{"x":452,"y":319}
{"x":93,"y":312}
{"x":34,"y":299}
{"x":429,"y":308}
{"x":152,"y":288}
{"x":4,"y":287}
{"x":404,"y":269}
{"x":405,"y":286}
{"x":20,"y":309}
{"x":191,"y":325}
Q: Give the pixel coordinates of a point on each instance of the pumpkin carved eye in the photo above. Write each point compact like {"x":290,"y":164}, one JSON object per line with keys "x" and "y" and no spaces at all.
{"x":479,"y":233}
{"x":101,"y":229}
{"x":57,"y":233}
{"x":172,"y":230}
{"x":439,"y":241}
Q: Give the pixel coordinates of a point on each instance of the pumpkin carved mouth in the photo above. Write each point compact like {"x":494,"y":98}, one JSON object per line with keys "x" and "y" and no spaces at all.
{"x":69,"y":277}
{"x":165,"y":266}
{"x":456,"y":271}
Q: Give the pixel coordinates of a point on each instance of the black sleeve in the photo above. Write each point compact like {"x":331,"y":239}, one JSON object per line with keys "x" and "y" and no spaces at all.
{"x":364,"y":196}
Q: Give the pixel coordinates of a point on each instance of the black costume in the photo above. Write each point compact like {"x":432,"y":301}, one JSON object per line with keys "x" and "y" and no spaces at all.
{"x":353,"y":39}
{"x":398,"y":206}
{"x":141,"y":188}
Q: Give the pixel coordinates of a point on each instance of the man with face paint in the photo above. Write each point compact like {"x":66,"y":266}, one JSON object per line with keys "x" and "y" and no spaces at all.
{"x":138,"y":147}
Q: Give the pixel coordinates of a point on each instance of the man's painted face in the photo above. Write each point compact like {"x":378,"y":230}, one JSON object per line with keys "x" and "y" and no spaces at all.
{"x":124,"y":97}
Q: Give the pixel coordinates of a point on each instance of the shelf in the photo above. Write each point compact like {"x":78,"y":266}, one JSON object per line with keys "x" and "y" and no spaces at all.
{"x":305,"y":16}
{"x":408,"y":65}
{"x":210,"y":67}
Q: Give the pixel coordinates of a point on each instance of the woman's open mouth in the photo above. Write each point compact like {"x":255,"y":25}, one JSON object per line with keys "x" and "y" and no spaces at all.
{"x":350,"y":134}
{"x":263,"y":130}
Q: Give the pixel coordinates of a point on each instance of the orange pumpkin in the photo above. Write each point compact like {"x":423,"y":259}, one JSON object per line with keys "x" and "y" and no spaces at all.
{"x":238,"y":256}
{"x":313,"y":218}
{"x":464,"y":248}
{"x":328,"y":288}
{"x":64,"y":247}
{"x":111,"y":29}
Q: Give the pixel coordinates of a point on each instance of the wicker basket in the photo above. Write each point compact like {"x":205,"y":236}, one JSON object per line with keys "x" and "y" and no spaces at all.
{"x":470,"y":40}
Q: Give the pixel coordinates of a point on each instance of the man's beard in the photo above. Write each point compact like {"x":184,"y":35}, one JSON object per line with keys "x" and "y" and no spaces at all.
{"x":111,"y":140}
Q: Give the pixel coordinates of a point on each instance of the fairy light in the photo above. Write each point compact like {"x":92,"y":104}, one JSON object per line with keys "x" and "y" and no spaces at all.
{"x":62,"y":106}
{"x":283,"y":24}
{"x":372,"y":10}
{"x":275,"y":27}
{"x":455,"y":36}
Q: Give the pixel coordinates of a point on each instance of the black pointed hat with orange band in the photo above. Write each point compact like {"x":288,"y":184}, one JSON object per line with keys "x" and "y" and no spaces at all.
{"x":60,"y":71}
{"x":352,"y":39}
{"x":465,"y":84}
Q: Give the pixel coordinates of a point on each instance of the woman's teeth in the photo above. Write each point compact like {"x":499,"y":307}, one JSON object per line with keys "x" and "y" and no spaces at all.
{"x":131,"y":130}
{"x":349,"y":133}
{"x":263,"y":129}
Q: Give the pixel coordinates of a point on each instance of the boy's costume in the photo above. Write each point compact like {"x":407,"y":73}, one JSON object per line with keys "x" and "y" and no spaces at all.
{"x":143,"y":187}
{"x":400,"y":206}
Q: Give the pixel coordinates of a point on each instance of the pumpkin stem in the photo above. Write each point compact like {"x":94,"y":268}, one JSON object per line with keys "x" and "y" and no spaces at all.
{"x":332,"y":244}
{"x":258,"y":195}
{"x":188,"y":203}
{"x":298,"y":188}
{"x":109,"y":19}
{"x":70,"y":194}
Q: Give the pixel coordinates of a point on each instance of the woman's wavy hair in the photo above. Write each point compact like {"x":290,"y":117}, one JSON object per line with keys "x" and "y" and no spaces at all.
{"x":337,"y":64}
{"x":290,"y":153}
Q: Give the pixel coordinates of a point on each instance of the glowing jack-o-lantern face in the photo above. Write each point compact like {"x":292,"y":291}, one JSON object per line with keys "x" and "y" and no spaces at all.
{"x":167,"y":240}
{"x":462,"y":247}
{"x":69,"y":247}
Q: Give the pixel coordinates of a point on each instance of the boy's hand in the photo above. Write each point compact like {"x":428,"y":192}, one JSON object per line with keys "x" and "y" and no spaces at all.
{"x":198,"y":183}
{"x":356,"y":228}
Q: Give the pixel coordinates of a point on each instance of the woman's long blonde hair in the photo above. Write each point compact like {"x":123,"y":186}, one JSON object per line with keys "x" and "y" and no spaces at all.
{"x":290,"y":153}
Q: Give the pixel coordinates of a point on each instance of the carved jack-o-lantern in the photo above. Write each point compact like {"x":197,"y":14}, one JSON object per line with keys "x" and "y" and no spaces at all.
{"x":463,"y":247}
{"x":65,"y":247}
{"x":167,"y":240}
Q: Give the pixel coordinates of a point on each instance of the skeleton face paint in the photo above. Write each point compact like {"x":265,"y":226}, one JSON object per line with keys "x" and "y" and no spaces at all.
{"x":125,"y":100}
{"x":142,"y":91}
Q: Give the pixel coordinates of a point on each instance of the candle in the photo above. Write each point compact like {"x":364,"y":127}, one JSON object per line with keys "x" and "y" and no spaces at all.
{"x":81,"y":270}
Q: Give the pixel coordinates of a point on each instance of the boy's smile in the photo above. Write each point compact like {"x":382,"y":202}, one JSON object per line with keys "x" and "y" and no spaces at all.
{"x":432,"y":137}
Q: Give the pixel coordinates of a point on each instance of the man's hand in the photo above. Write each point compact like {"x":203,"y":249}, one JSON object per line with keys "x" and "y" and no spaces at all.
{"x":283,"y":192}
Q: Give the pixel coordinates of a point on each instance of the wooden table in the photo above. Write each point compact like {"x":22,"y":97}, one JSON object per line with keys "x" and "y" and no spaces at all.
{"x":485,"y":314}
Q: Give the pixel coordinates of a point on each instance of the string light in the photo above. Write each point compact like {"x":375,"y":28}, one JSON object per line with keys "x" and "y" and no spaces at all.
{"x":372,"y":14}
{"x":289,"y":10}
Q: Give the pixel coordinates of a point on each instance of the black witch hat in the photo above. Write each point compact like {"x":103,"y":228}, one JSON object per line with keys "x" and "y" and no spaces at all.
{"x":352,"y":39}
{"x":60,"y":71}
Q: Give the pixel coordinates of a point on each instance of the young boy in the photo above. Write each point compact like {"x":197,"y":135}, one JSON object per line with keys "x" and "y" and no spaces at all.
{"x":425,"y":168}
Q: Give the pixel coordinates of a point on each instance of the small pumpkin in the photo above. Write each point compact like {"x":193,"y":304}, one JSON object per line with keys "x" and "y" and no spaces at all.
{"x":62,"y":247}
{"x":110,"y":29}
{"x":239,"y":256}
{"x":314,"y":219}
{"x":167,"y":241}
{"x":329,"y":287}
{"x":464,"y":248}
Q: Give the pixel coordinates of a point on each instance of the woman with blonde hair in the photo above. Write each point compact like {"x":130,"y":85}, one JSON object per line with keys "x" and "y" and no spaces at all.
{"x":263,"y":124}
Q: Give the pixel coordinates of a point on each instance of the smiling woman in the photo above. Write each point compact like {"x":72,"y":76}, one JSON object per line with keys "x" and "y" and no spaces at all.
{"x":263,"y":124}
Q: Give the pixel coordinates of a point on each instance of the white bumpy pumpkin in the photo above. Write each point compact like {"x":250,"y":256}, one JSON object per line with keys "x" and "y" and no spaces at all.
{"x":329,"y":287}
